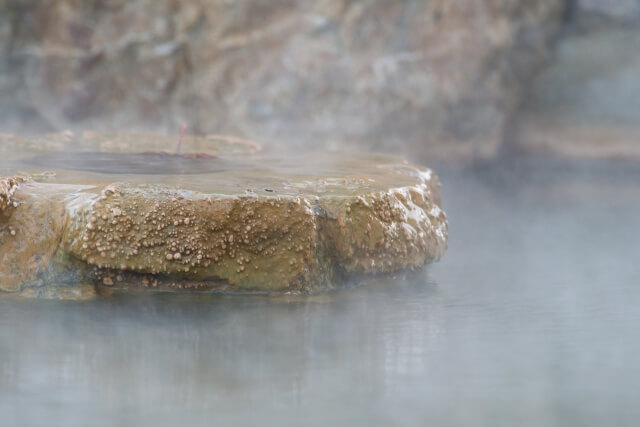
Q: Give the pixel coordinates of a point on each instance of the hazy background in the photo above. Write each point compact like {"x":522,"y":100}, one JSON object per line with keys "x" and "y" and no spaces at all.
{"x":529,"y":110}
{"x":435,"y":79}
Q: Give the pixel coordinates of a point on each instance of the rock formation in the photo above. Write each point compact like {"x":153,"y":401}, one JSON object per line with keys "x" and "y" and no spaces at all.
{"x":258,"y":223}
{"x":586,"y":104}
{"x":434,"y":79}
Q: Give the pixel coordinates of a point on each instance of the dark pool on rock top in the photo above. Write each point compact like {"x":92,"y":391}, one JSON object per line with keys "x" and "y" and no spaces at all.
{"x":530,"y":319}
{"x":159,"y":163}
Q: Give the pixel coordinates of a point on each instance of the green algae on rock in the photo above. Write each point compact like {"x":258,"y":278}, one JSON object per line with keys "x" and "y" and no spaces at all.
{"x":262,"y":223}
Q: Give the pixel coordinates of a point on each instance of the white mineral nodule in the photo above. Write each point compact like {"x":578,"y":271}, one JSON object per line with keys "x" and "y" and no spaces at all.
{"x":243,"y":223}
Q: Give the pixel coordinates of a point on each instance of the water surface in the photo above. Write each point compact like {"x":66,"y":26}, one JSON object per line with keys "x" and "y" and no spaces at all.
{"x":530,"y":319}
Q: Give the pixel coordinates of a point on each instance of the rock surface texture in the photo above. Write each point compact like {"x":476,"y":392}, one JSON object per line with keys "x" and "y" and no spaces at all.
{"x":255,"y":224}
{"x":8,"y":187}
{"x":434,"y":79}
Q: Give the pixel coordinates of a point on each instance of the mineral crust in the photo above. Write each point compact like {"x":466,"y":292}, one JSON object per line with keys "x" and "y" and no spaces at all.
{"x":260,"y":224}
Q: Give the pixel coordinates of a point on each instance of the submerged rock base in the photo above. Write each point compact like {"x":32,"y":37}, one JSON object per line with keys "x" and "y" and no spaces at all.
{"x":254,"y":230}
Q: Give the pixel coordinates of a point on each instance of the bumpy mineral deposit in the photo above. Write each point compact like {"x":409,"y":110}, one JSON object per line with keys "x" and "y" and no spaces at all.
{"x":248,"y":223}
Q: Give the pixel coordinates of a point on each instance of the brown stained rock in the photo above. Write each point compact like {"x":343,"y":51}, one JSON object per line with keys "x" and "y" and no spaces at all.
{"x":388,"y":231}
{"x":54,"y":291}
{"x":261,"y":243}
{"x":429,"y":78}
{"x":30,"y":235}
{"x":293,"y":223}
{"x":249,"y":242}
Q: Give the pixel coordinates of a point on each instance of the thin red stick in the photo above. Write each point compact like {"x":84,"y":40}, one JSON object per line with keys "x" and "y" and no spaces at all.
{"x":182,"y":131}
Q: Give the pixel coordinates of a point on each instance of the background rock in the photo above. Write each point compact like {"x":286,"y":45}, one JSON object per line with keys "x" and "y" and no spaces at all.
{"x":597,"y":13}
{"x":586,"y":105}
{"x":431,"y":78}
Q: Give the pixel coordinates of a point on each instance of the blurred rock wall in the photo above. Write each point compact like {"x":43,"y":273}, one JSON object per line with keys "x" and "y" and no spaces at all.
{"x":601,"y":12}
{"x":586,"y":103}
{"x":432,"y":79}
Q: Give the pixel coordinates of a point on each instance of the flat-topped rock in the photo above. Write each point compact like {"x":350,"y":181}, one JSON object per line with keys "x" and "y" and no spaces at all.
{"x":208,"y":218}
